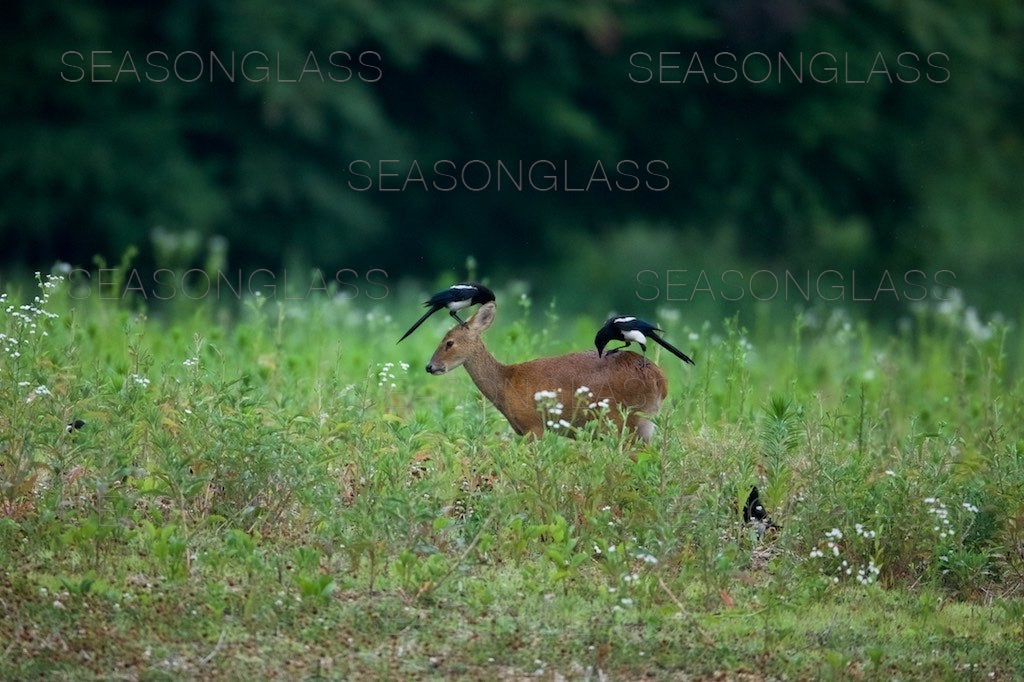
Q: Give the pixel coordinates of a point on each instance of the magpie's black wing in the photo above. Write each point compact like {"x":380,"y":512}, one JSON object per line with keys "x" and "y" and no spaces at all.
{"x":450,"y":295}
{"x":634,"y":324}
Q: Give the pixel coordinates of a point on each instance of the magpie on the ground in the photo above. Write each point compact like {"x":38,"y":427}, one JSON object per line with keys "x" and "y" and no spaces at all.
{"x":754,"y":511}
{"x":632,"y":329}
{"x":454,"y":298}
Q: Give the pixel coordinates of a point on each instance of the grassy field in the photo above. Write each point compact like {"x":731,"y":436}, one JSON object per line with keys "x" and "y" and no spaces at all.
{"x":287,"y":493}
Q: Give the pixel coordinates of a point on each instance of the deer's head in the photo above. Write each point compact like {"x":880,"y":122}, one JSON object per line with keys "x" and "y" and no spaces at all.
{"x":461,"y":342}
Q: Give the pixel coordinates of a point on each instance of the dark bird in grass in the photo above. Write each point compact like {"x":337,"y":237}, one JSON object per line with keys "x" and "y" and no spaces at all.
{"x":754,"y":512}
{"x":454,"y":298}
{"x":633,"y":330}
{"x":75,"y":425}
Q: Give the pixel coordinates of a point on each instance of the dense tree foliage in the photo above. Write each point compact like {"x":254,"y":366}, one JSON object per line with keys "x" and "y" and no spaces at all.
{"x":824,"y":134}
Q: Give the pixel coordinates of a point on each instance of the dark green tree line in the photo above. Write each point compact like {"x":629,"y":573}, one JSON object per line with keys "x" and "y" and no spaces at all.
{"x":903,"y":170}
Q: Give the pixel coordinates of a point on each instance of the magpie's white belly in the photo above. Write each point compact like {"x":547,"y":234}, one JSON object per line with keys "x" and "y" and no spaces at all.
{"x":633,"y":335}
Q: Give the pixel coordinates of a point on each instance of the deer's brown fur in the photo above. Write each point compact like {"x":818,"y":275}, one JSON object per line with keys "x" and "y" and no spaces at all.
{"x":632,"y":387}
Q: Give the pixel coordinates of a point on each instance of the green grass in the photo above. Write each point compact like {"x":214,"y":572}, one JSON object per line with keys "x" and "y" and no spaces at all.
{"x":287,"y":493}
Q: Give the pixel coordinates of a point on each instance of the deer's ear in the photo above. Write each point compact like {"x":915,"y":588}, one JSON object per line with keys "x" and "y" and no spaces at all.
{"x":483,"y":318}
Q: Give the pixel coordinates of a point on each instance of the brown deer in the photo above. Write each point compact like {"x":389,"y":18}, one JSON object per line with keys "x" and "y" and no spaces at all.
{"x":561,"y":392}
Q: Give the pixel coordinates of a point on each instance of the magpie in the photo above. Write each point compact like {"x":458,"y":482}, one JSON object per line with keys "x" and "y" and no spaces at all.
{"x":630,"y":329}
{"x":455,"y":298}
{"x":754,"y":511}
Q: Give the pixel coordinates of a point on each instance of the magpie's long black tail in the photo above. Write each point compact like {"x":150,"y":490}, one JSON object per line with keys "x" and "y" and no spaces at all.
{"x":670,"y":348}
{"x":420,"y":321}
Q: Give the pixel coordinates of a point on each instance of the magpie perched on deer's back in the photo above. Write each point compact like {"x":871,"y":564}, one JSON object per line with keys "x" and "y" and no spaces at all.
{"x":454,"y":298}
{"x":633,"y":330}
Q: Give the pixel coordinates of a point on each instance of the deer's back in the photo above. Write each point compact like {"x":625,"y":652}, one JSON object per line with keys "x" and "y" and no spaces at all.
{"x":623,"y":377}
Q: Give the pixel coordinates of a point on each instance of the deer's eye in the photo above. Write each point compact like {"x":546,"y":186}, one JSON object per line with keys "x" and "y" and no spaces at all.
{"x":449,"y":344}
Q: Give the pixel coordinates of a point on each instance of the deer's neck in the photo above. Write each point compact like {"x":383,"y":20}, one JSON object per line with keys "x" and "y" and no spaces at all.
{"x":489,"y":375}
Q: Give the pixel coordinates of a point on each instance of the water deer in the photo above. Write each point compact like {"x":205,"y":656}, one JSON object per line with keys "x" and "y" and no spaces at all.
{"x":563,"y":392}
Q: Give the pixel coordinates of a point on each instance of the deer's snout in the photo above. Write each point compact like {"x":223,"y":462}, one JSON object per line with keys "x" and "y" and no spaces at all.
{"x":438,"y":368}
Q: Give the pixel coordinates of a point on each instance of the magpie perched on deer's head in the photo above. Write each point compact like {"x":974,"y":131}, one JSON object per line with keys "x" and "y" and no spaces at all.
{"x":454,"y":298}
{"x":633,"y":330}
